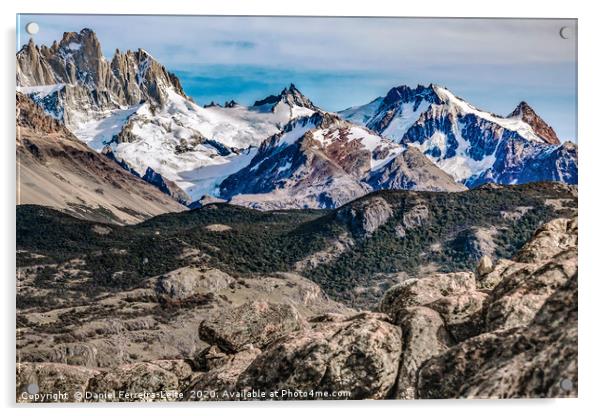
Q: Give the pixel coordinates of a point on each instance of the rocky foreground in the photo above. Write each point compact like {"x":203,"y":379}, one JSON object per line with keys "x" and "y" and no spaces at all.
{"x":507,"y":330}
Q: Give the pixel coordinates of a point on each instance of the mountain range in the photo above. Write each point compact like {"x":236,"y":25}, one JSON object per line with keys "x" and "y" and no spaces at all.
{"x":283,"y":151}
{"x":388,"y":251}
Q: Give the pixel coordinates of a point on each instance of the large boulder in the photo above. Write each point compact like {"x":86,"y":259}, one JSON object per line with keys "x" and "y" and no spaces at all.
{"x":358,"y":355}
{"x":485,"y":266}
{"x":424,"y":336}
{"x":136,"y":382}
{"x":191,"y":282}
{"x":255,"y":322}
{"x":51,"y":378}
{"x":462,"y":313}
{"x":523,"y":284}
{"x":454,"y":296}
{"x":425,"y":290}
{"x":220,"y":374}
{"x":549,"y":240}
{"x":517,"y":298}
{"x":537,"y":360}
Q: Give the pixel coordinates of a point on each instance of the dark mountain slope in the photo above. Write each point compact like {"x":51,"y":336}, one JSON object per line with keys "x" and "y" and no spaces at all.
{"x":354,"y":252}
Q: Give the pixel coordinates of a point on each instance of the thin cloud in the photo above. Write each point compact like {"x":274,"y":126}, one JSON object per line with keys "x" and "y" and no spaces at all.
{"x":494,"y":63}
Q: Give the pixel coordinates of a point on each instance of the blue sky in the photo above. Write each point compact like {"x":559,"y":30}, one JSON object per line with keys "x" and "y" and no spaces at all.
{"x":341,"y":62}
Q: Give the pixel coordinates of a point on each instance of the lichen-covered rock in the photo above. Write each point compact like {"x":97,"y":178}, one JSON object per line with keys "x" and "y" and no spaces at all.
{"x":218,"y":382}
{"x":189,"y":282}
{"x":462,"y":313}
{"x":424,"y":336}
{"x":257,"y":323}
{"x":528,"y":361}
{"x":501,"y":268}
{"x":51,"y":378}
{"x":518,"y":297}
{"x":425,"y":290}
{"x":182,"y":369}
{"x":544,"y":264}
{"x":136,"y":382}
{"x":209,"y":358}
{"x":549,"y":240}
{"x":358,"y":354}
{"x":485,"y":266}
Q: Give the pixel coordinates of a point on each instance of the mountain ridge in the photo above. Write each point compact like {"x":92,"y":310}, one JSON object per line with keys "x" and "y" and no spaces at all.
{"x":472,"y":145}
{"x":55,"y":169}
{"x":135,"y":106}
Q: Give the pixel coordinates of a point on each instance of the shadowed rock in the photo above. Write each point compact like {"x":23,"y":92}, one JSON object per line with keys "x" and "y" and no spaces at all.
{"x":359,"y":355}
{"x":257,"y":323}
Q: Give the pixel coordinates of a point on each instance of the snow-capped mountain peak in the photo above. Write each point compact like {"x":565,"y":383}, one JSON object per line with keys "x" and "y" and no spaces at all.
{"x":472,"y":145}
{"x":289,"y":100}
{"x":524,"y":112}
{"x":324,"y":161}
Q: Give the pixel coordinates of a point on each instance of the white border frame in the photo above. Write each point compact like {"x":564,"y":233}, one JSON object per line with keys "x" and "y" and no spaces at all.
{"x":590,"y":142}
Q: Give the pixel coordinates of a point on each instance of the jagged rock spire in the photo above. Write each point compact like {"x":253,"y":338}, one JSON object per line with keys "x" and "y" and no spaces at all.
{"x":525,"y":112}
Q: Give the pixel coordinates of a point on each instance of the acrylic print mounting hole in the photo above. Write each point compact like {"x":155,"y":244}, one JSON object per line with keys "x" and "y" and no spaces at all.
{"x":32,"y":28}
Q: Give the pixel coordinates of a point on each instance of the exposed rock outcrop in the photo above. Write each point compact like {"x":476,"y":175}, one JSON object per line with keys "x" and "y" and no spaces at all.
{"x":257,"y":323}
{"x":512,"y":333}
{"x":524,"y":112}
{"x":190,"y":282}
{"x":366,"y":216}
{"x":424,"y":336}
{"x":413,"y":170}
{"x":424,"y":291}
{"x":57,"y":170}
{"x":166,"y":186}
{"x":221,"y":374}
{"x":528,"y":361}
{"x":48,"y":378}
{"x":543,"y":265}
{"x":77,"y":60}
{"x":138,"y":381}
{"x":358,"y":355}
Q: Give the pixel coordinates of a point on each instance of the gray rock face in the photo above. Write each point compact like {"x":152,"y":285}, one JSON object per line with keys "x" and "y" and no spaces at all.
{"x":526,"y":344}
{"x":77,"y":59}
{"x":543,"y":265}
{"x":359,"y":355}
{"x":528,"y":361}
{"x":424,"y":291}
{"x":190,"y":282}
{"x":525,"y":113}
{"x":219,"y":379}
{"x":138,"y":381}
{"x":291,"y":96}
{"x":257,"y":323}
{"x":166,"y":186}
{"x":415,"y":217}
{"x":50,"y":378}
{"x":424,"y":336}
{"x":413,"y":170}
{"x":365,"y":217}
{"x":485,"y":266}
{"x":131,"y":382}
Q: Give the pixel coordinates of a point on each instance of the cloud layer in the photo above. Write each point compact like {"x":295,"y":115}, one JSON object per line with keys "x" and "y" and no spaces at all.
{"x":340,"y":62}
